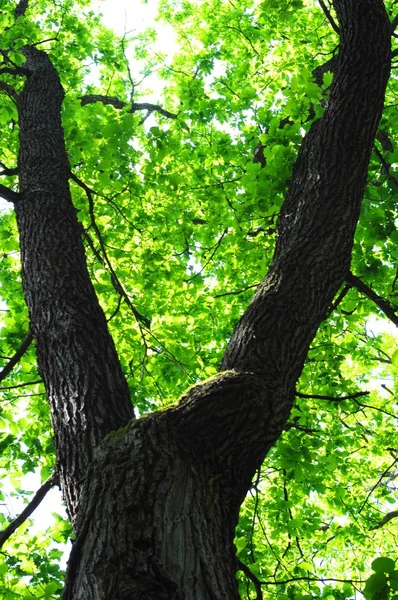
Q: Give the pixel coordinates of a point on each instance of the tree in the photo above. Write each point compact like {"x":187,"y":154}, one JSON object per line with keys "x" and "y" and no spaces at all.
{"x":154,"y":498}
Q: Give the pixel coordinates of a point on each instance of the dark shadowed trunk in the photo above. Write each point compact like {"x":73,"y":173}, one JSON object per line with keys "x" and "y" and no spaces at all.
{"x":155,"y":504}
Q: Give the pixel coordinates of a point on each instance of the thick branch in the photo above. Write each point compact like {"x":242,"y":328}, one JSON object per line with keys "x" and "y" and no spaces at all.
{"x":28,"y":510}
{"x":17,"y":357}
{"x":383,"y":304}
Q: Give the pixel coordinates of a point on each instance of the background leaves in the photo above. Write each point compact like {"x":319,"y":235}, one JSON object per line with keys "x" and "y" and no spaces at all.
{"x":178,"y":231}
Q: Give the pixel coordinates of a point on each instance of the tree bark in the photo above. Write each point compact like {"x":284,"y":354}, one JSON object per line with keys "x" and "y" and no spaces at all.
{"x":88,"y":394}
{"x":155,"y":503}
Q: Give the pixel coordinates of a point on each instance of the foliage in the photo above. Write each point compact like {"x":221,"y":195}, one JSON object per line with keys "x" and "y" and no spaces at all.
{"x":178,"y":230}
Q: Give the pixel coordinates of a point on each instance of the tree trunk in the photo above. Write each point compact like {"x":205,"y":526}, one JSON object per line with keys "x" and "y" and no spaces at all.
{"x":155,"y":503}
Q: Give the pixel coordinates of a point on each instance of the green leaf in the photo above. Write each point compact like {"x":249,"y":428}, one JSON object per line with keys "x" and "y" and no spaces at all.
{"x":376,"y":586}
{"x":383,"y":564}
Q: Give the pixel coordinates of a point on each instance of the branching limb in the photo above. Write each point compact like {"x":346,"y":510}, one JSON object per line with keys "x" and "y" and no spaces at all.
{"x":329,"y":17}
{"x":135,"y":106}
{"x":384,"y":305}
{"x":8,"y":194}
{"x":17,"y":357}
{"x":28,"y":510}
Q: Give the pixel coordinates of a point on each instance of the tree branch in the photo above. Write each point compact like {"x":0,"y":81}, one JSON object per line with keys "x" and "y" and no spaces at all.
{"x":384,"y":305}
{"x":377,"y":483}
{"x":17,"y":357}
{"x":19,"y":385}
{"x":256,"y":582}
{"x":386,"y":167}
{"x":331,"y":398}
{"x":21,"y":8}
{"x":7,"y":170}
{"x":9,"y":90}
{"x":320,"y":579}
{"x":135,"y":106}
{"x":106,"y":262}
{"x":329,"y":17}
{"x":237,"y":292}
{"x":8,"y":194}
{"x":391,"y":515}
{"x":28,"y":510}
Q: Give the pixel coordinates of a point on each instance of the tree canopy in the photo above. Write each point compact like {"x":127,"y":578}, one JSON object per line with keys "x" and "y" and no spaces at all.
{"x":178,"y":201}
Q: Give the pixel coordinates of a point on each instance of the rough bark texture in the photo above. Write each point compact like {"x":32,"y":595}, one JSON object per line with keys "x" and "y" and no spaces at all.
{"x":155,"y":505}
{"x":78,"y":362}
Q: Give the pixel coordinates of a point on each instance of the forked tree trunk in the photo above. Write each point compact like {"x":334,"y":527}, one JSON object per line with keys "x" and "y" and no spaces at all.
{"x":155,"y":504}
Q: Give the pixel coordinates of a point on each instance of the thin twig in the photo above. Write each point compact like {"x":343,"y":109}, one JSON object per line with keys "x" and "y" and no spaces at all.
{"x":377,"y":483}
{"x":331,"y":398}
{"x":256,"y":582}
{"x":114,"y":278}
{"x":19,"y":385}
{"x":319,"y":579}
{"x":236,"y":292}
{"x":387,"y":167}
{"x":17,"y":356}
{"x":215,"y":248}
{"x":28,"y":510}
{"x":329,"y":17}
{"x":383,"y":304}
